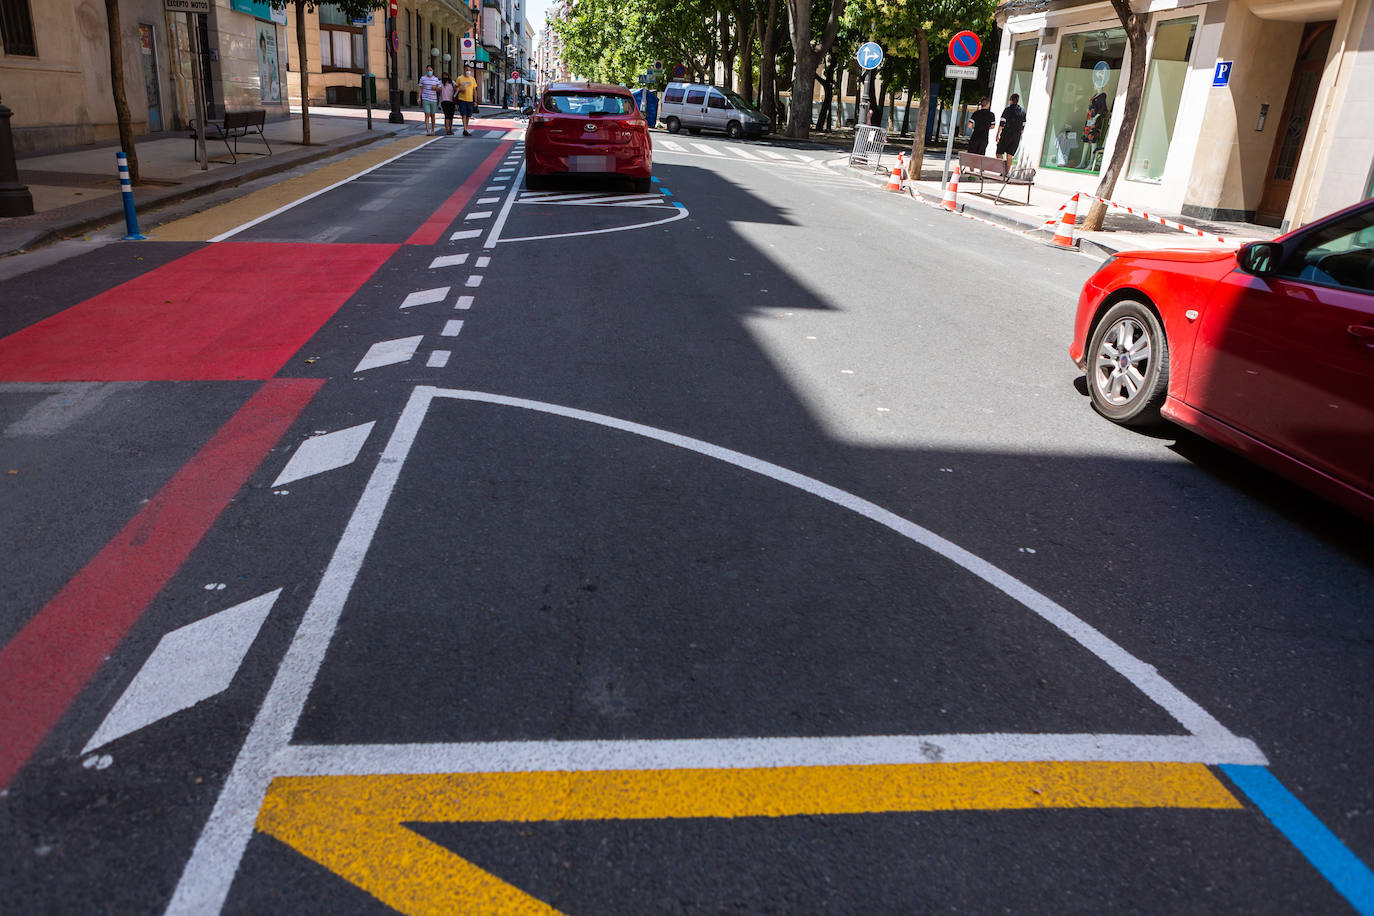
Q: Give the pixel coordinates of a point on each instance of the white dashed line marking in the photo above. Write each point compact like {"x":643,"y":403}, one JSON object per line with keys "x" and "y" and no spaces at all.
{"x":438,"y":359}
{"x":483,"y":261}
{"x":475,"y":280}
{"x":480,"y":214}
{"x":451,"y":327}
{"x":464,"y":302}
{"x":464,"y":234}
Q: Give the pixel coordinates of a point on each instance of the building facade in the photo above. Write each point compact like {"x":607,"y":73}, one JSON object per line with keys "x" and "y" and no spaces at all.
{"x":55,"y":67}
{"x":1253,"y":110}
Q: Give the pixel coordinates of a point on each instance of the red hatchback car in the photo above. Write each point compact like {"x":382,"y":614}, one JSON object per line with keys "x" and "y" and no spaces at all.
{"x":1268,"y":350}
{"x":588,"y":128}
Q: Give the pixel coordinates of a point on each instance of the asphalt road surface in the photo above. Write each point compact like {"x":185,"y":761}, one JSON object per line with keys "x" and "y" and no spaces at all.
{"x":422,"y":543}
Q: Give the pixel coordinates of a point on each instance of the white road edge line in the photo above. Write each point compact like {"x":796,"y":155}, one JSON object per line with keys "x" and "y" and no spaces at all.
{"x":516,"y":186}
{"x":295,"y":203}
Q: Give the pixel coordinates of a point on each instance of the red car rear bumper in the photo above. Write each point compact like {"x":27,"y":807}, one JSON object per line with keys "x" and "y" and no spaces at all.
{"x":552,"y":158}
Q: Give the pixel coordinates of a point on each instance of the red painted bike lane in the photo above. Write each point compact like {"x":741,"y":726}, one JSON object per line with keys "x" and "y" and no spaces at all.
{"x":231,"y":311}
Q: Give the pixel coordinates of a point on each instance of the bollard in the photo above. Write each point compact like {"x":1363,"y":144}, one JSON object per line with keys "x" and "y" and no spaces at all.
{"x":15,"y":199}
{"x":127,"y":189}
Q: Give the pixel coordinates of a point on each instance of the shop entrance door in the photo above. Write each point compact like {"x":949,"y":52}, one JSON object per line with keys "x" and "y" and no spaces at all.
{"x":1297,"y":112}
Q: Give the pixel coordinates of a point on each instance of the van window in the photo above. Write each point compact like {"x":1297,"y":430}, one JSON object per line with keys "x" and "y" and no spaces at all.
{"x":716,"y":101}
{"x":673,"y":96}
{"x":696,"y":96}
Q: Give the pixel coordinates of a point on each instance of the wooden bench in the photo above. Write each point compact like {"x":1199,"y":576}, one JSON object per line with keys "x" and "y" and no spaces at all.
{"x":995,"y":169}
{"x":232,"y":126}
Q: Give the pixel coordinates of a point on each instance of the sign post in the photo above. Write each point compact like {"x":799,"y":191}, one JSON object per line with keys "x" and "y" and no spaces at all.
{"x":393,"y":49}
{"x":870,"y":57}
{"x":964,"y":49}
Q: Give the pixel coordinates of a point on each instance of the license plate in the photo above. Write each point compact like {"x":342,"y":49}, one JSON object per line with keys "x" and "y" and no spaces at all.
{"x":590,"y":164}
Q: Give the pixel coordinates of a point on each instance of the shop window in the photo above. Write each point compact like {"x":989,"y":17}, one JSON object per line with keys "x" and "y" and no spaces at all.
{"x":1022,"y":69}
{"x":1085,"y":81}
{"x":1164,"y":78}
{"x":16,"y":28}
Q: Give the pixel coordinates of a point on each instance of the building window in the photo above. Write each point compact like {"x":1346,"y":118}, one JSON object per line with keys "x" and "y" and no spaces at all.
{"x":1085,"y":82}
{"x":1022,"y":69}
{"x":1164,"y":78}
{"x":16,"y":28}
{"x":341,"y":42}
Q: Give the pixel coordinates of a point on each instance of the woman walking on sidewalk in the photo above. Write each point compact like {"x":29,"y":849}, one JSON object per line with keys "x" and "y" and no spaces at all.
{"x":446,"y":94}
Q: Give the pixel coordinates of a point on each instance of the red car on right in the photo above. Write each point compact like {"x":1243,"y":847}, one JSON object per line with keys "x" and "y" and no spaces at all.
{"x":1268,"y":350}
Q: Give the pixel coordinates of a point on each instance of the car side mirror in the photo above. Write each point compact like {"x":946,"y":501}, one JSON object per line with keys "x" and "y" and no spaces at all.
{"x":1260,"y":258}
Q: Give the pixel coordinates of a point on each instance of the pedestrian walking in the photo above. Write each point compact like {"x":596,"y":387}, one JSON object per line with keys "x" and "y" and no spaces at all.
{"x":429,"y":97}
{"x":1009,"y":128}
{"x":979,"y":124}
{"x":467,"y":96}
{"x":446,"y":93}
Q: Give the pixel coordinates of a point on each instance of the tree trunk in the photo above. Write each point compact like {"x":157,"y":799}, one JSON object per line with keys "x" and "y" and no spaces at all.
{"x":906,"y":111}
{"x":918,"y":136}
{"x":121,"y":100}
{"x":1135,"y":87}
{"x":727,"y":51}
{"x":880,"y":108}
{"x":768,"y":63}
{"x":304,"y":63}
{"x":828,"y":88}
{"x":807,"y":54}
{"x":744,"y":40}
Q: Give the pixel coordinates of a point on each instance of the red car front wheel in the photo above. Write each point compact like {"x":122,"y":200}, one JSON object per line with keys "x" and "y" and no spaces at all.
{"x":1128,"y":365}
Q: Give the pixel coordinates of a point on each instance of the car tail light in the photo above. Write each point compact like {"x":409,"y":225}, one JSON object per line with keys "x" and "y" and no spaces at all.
{"x":634,"y":124}
{"x":538,"y":121}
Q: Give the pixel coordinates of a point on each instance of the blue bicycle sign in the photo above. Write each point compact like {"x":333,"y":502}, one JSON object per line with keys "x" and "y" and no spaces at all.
{"x":870,"y":55}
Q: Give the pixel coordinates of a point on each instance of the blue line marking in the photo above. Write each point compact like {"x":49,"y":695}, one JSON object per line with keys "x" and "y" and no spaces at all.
{"x":1337,"y":864}
{"x":666,"y":192}
{"x":679,"y":205}
{"x":654,"y":180}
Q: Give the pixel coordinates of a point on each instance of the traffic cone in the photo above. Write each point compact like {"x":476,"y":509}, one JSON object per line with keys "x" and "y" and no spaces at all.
{"x":894,"y":181}
{"x":901,"y":167}
{"x":951,"y":201}
{"x":1068,"y":220}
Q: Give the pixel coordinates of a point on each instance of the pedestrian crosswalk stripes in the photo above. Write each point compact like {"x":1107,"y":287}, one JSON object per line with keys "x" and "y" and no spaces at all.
{"x":708,"y":150}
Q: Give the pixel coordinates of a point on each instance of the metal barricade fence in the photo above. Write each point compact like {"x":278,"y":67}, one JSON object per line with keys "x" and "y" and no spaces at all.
{"x":868,"y":145}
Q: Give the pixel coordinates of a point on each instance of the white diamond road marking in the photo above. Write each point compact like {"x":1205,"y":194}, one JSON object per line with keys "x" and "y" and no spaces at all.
{"x":464,"y":302}
{"x":438,"y":359}
{"x":188,"y":665}
{"x":451,"y":328}
{"x":710,"y":150}
{"x":480,"y":214}
{"x":475,"y":280}
{"x":425,"y":296}
{"x":448,"y":260}
{"x":464,"y":234}
{"x":387,"y":352}
{"x":324,"y":453}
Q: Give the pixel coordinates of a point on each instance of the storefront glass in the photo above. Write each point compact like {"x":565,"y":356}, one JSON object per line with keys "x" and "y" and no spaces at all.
{"x":1085,"y":84}
{"x":1164,"y":78}
{"x":1022,"y":69}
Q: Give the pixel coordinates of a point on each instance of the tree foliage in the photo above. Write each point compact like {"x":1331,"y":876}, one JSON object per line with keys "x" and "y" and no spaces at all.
{"x":614,"y":40}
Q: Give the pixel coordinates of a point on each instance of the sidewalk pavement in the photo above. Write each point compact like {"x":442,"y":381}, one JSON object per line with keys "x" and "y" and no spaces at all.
{"x":1120,"y":231}
{"x":77,"y":190}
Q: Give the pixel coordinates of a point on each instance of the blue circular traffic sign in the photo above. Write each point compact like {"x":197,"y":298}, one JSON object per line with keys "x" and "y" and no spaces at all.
{"x":870,"y":55}
{"x":964,"y":48}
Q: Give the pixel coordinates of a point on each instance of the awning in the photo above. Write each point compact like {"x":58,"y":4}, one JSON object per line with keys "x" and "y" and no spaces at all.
{"x":482,"y":54}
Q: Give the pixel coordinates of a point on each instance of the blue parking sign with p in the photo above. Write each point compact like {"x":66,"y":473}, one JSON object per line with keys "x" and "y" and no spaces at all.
{"x":1222,"y":75}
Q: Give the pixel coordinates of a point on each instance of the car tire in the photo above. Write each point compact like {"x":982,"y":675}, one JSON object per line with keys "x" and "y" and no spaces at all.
{"x":673,"y":125}
{"x":643,"y":185}
{"x":1128,"y":365}
{"x":734,"y":130}
{"x":694,"y":131}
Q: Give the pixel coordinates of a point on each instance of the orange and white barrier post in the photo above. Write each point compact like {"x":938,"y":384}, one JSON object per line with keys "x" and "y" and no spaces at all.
{"x":894,"y":181}
{"x":951,"y":201}
{"x":1068,"y":222}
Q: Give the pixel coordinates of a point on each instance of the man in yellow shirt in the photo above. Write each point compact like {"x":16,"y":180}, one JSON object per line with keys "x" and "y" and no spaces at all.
{"x":467,"y":89}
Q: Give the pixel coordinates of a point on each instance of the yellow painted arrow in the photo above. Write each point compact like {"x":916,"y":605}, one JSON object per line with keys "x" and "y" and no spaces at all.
{"x":354,"y":825}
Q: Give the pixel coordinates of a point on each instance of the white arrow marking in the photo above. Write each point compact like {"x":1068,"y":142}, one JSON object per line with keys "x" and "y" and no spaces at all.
{"x":386,"y":352}
{"x":325,"y":453}
{"x":188,"y":665}
{"x":425,"y":296}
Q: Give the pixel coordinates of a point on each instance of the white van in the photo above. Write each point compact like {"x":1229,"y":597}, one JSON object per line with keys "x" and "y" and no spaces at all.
{"x":697,"y":107}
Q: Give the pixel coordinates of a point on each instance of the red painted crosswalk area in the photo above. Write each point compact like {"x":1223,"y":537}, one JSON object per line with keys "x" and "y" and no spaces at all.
{"x":235,"y":310}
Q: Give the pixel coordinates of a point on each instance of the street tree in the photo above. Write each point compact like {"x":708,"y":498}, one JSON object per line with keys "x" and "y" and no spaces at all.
{"x":1134,"y":24}
{"x":355,"y":9}
{"x":808,"y":50}
{"x":121,"y":100}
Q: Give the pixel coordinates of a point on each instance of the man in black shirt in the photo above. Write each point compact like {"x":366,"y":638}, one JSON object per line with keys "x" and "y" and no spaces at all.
{"x":979,"y":123}
{"x":1010,"y":127}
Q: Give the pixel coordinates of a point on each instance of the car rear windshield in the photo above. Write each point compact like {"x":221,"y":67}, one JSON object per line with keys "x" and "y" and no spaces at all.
{"x":588,"y":103}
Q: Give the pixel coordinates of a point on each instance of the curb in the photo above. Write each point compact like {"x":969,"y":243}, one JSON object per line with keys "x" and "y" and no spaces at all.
{"x":81,"y":218}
